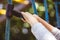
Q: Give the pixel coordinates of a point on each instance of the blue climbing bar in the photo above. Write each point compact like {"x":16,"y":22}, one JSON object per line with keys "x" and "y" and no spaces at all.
{"x":7,"y":29}
{"x":34,"y":6}
{"x":46,"y":11}
{"x":9,"y":1}
{"x":57,"y":14}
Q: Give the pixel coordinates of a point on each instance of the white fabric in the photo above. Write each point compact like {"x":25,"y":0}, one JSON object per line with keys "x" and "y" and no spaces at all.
{"x":56,"y":33}
{"x":41,"y":33}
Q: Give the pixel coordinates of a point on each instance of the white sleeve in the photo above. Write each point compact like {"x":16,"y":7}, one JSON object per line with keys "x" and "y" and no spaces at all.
{"x":41,"y":33}
{"x":56,"y":33}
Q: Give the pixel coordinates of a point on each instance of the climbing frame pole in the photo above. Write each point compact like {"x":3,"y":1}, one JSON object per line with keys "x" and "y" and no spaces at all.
{"x":7,"y":30}
{"x":8,"y":14}
{"x":57,"y":14}
{"x":46,"y":11}
{"x":34,"y":6}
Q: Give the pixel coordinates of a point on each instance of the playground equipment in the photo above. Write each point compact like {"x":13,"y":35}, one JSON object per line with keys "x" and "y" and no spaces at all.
{"x":10,"y":12}
{"x":46,"y":11}
{"x":57,"y":14}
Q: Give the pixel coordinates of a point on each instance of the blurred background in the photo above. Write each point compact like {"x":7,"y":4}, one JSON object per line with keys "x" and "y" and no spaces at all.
{"x":20,"y":30}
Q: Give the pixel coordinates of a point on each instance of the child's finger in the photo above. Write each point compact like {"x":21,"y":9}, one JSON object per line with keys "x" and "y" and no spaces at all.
{"x":26,"y":17}
{"x":30,"y":15}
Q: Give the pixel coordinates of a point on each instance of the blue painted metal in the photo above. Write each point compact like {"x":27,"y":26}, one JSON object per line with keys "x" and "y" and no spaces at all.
{"x":9,"y":1}
{"x":46,"y":11}
{"x":58,"y":2}
{"x":57,"y":14}
{"x":34,"y":7}
{"x":7,"y":30}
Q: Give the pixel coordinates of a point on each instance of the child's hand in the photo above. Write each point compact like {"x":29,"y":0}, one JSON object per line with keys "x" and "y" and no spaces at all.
{"x":29,"y":18}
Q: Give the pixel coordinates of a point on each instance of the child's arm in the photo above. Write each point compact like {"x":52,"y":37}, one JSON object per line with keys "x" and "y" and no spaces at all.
{"x":47,"y":25}
{"x":41,"y":33}
{"x":38,"y":30}
{"x":53,"y":30}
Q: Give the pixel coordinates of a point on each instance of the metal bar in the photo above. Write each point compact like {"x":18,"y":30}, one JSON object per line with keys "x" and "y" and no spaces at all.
{"x":7,"y":30}
{"x":46,"y":11}
{"x":34,"y":7}
{"x":9,"y":1}
{"x":57,"y":14}
{"x":58,"y":2}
